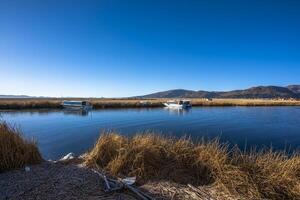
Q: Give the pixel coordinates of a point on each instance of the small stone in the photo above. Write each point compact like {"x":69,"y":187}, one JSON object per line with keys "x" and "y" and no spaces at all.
{"x":27,"y":169}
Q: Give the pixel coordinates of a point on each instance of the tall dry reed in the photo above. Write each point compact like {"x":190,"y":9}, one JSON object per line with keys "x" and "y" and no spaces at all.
{"x":35,"y":103}
{"x":254,"y":175}
{"x":15,"y":150}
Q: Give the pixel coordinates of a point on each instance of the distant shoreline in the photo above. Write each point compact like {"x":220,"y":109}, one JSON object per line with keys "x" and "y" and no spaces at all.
{"x":103,"y":103}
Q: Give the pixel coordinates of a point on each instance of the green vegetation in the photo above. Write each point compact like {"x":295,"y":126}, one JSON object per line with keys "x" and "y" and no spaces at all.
{"x":229,"y":172}
{"x":15,"y":150}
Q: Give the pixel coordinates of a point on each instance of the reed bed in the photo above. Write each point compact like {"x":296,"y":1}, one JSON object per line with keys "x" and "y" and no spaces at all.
{"x":245,"y":102}
{"x":99,"y":103}
{"x":126,"y":103}
{"x":229,"y":172}
{"x":29,"y":103}
{"x":15,"y":150}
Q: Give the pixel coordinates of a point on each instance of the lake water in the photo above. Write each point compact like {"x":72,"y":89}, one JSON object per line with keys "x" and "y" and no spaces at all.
{"x":59,"y":132}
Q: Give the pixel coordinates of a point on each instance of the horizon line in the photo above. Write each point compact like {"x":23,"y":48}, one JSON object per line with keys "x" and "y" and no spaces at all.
{"x":45,"y":96}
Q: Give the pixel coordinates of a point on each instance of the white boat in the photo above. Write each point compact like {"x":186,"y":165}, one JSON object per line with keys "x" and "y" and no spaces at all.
{"x":178,"y":104}
{"x":76,"y":104}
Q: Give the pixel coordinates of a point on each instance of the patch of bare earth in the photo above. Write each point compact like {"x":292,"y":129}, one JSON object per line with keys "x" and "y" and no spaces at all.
{"x":54,"y":181}
{"x":71,"y":181}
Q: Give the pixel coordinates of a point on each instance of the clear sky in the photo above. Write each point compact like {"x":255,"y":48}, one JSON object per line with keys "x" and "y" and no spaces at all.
{"x":114,"y":48}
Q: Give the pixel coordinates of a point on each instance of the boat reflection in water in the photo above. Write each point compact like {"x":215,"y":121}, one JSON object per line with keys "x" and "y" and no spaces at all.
{"x":81,"y":112}
{"x":178,"y":111}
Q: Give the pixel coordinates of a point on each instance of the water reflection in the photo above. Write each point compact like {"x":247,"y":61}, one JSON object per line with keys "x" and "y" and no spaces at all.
{"x":30,"y":112}
{"x":62,"y":131}
{"x":46,"y":112}
{"x":178,"y":111}
{"x":80,"y":112}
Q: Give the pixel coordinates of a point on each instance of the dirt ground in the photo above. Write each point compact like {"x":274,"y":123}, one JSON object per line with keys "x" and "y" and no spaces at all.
{"x":70,"y":181}
{"x":54,"y":181}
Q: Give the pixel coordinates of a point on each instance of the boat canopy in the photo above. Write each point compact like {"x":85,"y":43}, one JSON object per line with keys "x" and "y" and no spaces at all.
{"x":83,"y":103}
{"x":184,"y":101}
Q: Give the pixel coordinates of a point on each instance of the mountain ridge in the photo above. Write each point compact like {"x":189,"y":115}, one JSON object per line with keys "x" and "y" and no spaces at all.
{"x":291,"y":91}
{"x":14,"y":96}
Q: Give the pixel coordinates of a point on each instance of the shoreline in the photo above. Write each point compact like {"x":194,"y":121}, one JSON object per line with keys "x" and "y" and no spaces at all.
{"x":20,"y":104}
{"x":68,"y":176}
{"x":164,"y":168}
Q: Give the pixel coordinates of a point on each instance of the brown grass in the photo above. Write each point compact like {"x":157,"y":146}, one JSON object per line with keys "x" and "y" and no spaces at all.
{"x":230,"y":172}
{"x":125,"y":103}
{"x":29,"y":103}
{"x":56,"y":103}
{"x":245,"y":102}
{"x":138,"y":103}
{"x":15,"y":151}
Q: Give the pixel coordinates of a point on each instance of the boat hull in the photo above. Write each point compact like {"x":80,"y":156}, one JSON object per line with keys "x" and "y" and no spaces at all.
{"x":176,"y":106}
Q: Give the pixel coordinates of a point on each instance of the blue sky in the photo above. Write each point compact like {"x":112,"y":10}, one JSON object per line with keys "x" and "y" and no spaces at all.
{"x":125,"y":48}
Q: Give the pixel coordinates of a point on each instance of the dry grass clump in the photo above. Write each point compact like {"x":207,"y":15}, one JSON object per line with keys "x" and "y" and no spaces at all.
{"x":271,"y":175}
{"x":149,"y":156}
{"x":15,"y":151}
{"x":229,"y":172}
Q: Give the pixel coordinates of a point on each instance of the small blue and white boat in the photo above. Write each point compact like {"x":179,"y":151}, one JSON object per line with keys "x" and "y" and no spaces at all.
{"x":178,"y":104}
{"x":77,"y":104}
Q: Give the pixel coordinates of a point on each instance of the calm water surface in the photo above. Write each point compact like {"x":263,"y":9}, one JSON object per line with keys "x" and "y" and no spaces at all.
{"x":60,"y":131}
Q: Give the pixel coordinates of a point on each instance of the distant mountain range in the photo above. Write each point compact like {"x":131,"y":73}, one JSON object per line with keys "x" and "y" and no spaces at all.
{"x":294,"y":88}
{"x":14,"y":96}
{"x":291,"y":91}
{"x":22,"y":97}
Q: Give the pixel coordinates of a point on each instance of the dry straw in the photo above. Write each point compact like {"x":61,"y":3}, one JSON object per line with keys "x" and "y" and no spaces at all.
{"x":230,"y":172}
{"x":15,"y":150}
